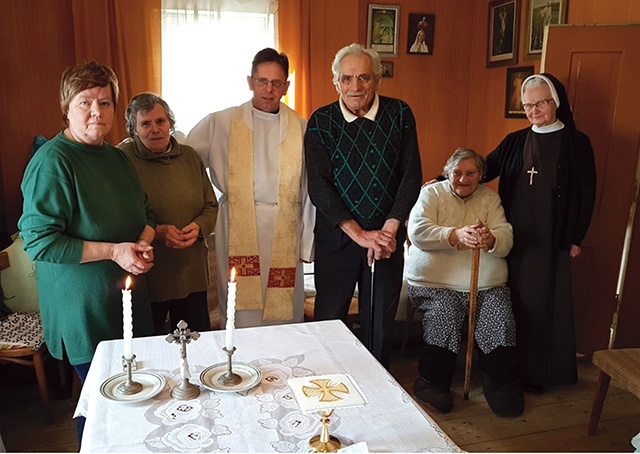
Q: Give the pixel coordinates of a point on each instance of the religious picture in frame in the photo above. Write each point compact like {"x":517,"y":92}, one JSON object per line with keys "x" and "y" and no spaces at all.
{"x":421,"y":31}
{"x":513,"y":98}
{"x":502,"y":46}
{"x":541,"y":13}
{"x":387,"y":68}
{"x":382,"y":29}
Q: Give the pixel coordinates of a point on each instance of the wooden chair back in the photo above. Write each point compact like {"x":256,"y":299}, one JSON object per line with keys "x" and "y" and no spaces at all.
{"x":27,"y":356}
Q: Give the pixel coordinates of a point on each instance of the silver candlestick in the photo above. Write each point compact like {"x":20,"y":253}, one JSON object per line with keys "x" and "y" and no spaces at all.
{"x":182,"y":335}
{"x":229,"y":378}
{"x":129,"y":387}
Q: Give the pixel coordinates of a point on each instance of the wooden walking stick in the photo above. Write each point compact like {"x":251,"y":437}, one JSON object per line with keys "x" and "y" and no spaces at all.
{"x":473,"y":295}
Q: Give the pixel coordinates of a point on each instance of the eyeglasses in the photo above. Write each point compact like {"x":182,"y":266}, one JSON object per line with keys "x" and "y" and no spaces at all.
{"x":540,"y":104}
{"x":364,"y":79}
{"x":275,"y":83}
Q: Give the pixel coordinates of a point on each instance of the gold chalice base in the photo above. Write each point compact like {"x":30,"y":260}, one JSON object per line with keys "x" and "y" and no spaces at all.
{"x":325,"y":442}
{"x":331,"y":445}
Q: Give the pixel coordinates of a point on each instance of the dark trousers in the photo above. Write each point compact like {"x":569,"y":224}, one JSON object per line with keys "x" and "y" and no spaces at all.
{"x":193,"y":309}
{"x":436,"y":365}
{"x":339,"y":264}
{"x":82,"y":370}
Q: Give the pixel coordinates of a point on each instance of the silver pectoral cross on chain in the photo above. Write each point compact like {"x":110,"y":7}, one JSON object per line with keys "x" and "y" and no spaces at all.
{"x":531,"y":172}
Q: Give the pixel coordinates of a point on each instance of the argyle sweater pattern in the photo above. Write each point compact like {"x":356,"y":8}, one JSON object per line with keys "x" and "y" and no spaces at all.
{"x":364,"y":170}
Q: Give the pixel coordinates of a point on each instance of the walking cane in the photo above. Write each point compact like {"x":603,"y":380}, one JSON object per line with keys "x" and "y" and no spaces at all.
{"x":373,"y":269}
{"x":473,"y":295}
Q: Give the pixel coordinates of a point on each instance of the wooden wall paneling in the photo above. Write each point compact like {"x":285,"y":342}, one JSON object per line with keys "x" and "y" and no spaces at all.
{"x":436,"y":86}
{"x":487,"y":125}
{"x":455,"y":98}
{"x":599,"y":12}
{"x":334,"y":24}
{"x":37,"y":44}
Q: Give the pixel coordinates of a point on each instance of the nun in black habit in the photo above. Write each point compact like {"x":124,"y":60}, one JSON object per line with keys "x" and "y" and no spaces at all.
{"x":547,"y":185}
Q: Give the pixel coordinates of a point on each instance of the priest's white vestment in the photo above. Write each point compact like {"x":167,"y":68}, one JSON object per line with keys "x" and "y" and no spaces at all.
{"x":210,"y":138}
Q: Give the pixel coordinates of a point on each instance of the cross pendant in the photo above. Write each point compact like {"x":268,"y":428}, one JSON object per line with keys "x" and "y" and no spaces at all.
{"x":531,"y":172}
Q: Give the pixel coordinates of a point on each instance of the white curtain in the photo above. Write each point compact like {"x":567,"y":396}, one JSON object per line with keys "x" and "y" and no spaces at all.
{"x":207,"y":49}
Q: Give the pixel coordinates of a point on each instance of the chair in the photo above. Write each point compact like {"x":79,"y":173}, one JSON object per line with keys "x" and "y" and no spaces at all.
{"x":21,"y":337}
{"x":409,"y":319}
{"x":410,"y":310}
{"x":623,"y":366}
{"x":353,"y":316}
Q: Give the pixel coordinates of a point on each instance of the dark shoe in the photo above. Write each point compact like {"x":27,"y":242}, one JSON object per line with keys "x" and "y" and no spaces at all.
{"x":533,"y":389}
{"x":504,"y":399}
{"x":438,"y":398}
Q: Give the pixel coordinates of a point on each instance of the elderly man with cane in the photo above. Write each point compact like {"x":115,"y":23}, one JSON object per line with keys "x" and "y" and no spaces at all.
{"x":451,"y":219}
{"x":364,"y":173}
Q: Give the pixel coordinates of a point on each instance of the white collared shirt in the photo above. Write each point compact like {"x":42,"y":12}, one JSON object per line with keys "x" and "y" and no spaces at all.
{"x":371,"y":114}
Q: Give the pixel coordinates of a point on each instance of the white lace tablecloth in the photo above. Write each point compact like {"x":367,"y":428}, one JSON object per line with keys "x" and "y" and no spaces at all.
{"x":265,"y":418}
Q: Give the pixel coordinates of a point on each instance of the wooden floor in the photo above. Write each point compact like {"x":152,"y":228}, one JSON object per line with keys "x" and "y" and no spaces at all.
{"x":555,"y":421}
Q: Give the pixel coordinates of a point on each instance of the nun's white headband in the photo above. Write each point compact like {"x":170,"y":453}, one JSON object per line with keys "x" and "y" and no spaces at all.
{"x":554,"y":93}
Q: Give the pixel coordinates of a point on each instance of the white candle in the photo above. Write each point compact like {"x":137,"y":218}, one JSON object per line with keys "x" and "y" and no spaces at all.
{"x":127,"y":321}
{"x":231,"y":311}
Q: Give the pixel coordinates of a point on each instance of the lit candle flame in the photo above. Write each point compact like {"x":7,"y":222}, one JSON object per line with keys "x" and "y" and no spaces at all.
{"x":128,"y":283}
{"x":233,"y":274}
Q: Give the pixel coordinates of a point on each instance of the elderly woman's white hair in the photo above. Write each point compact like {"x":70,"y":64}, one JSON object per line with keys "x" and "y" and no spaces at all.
{"x":356,"y":49}
{"x":460,"y":155}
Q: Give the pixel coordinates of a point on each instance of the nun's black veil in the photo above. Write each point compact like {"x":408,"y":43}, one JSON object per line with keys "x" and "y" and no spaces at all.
{"x":563,"y":113}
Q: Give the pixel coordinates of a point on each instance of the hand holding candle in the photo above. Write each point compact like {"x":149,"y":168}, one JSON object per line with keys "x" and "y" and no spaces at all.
{"x":127,"y":320}
{"x":231,"y":311}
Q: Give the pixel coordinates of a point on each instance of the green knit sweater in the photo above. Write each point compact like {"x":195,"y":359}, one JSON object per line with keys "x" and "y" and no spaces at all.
{"x":74,"y":192}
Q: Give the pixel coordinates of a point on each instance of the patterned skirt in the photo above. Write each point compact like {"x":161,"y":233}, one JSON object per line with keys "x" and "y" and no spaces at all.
{"x":445,"y":311}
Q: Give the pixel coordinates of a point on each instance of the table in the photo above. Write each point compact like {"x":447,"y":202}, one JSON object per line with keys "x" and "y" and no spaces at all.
{"x":265,"y":418}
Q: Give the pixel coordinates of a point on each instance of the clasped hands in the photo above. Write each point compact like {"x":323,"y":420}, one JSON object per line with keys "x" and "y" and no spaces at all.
{"x":477,"y":236}
{"x":175,"y":238}
{"x":382,"y":243}
{"x":135,"y":258}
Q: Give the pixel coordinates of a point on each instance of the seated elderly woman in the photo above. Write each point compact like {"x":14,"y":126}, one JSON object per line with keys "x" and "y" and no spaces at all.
{"x":185,"y":207}
{"x":449,"y":219}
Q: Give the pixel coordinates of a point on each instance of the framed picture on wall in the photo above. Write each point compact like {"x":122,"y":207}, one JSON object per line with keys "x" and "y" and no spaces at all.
{"x":502,"y":46}
{"x":541,"y":13}
{"x":387,"y":68}
{"x":420,"y":33}
{"x":382,"y":29}
{"x":513,"y":97}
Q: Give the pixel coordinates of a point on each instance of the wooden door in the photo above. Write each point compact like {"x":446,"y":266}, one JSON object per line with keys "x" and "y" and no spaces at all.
{"x":600,"y":65}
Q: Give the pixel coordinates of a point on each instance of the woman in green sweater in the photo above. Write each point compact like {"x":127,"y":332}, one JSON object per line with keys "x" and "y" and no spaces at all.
{"x":185,"y":207}
{"x":86,"y":223}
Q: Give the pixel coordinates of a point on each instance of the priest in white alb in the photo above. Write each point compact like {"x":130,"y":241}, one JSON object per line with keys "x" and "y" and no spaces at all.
{"x":254,"y":153}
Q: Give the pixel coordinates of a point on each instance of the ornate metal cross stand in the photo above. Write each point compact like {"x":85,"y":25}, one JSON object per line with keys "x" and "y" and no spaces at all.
{"x":183,"y":335}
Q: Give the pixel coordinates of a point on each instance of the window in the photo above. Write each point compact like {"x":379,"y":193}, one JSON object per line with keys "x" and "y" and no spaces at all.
{"x":207,"y":48}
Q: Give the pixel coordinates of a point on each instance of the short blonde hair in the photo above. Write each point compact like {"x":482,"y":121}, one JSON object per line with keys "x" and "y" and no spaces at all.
{"x":87,"y":74}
